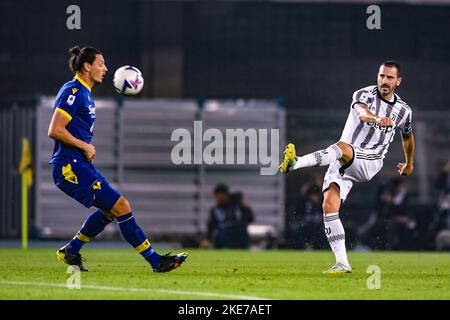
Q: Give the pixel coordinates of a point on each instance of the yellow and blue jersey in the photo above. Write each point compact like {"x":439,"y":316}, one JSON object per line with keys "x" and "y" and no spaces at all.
{"x":72,"y":174}
{"x":75,"y":101}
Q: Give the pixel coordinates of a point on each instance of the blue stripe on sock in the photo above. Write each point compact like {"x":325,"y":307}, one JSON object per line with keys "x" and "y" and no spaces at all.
{"x":135,"y":236}
{"x":124,"y":217}
{"x":74,"y":246}
{"x":152,"y":257}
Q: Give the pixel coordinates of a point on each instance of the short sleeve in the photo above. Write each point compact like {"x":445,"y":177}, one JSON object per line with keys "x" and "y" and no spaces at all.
{"x":362,"y":96}
{"x":67,"y":102}
{"x":406,"y":124}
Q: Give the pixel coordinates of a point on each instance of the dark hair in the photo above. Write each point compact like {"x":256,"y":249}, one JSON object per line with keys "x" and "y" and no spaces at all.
{"x":393,"y":64}
{"x":80,"y":56}
{"x":221,"y":188}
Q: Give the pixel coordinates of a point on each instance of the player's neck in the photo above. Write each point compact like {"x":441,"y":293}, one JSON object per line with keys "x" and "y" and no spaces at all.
{"x":389,"y":97}
{"x":86,"y":79}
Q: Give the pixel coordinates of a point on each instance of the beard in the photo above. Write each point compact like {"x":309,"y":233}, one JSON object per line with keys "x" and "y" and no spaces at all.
{"x":389,"y":90}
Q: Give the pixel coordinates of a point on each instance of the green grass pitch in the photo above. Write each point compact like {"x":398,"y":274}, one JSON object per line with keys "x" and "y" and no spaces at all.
{"x":122,"y":274}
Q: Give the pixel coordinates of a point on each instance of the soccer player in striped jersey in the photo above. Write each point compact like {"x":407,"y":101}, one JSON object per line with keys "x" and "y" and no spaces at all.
{"x":375,"y":114}
{"x":72,"y":128}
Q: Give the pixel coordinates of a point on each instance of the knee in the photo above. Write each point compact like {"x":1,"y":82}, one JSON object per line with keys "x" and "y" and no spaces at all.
{"x":329,"y":207}
{"x":331,"y":200}
{"x":121,"y":207}
{"x":346,"y":150}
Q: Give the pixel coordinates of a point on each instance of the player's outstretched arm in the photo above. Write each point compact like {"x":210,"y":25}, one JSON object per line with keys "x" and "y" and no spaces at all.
{"x":363,"y":112}
{"x":57,"y":130}
{"x":405,"y":169}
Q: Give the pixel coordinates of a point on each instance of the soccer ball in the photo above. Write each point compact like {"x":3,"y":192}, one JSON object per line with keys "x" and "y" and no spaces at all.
{"x":128,"y":80}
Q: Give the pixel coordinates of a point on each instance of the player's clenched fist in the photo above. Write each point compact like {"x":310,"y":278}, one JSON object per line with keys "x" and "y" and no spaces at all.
{"x":89,"y":152}
{"x":385,"y":122}
{"x":405,"y":169}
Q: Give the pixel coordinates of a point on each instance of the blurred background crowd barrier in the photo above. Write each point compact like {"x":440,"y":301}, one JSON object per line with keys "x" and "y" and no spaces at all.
{"x":133,"y":142}
{"x":422,"y":200}
{"x":134,"y":153}
{"x":308,"y":57}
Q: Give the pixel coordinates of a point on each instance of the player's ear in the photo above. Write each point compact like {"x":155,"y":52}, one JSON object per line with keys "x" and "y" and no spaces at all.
{"x":87,"y":66}
{"x":399,"y":80}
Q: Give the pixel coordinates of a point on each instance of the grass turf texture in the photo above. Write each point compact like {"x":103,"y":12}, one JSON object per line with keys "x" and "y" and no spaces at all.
{"x":265,"y":274}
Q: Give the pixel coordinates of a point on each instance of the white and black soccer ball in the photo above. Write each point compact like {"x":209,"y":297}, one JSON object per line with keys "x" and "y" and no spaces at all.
{"x":128,"y":80}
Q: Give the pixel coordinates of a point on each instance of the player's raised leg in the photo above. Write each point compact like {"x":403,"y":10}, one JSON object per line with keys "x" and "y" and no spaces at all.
{"x":334,"y":230}
{"x":339,"y":151}
{"x":138,"y":240}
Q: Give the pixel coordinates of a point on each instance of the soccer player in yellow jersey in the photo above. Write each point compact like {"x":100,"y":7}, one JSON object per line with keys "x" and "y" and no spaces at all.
{"x":72,"y":128}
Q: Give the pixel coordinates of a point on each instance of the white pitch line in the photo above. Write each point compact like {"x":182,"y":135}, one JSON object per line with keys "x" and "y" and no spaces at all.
{"x":95,"y":287}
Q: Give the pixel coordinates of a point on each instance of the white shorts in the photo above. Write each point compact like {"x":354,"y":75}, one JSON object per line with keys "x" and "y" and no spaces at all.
{"x":363,"y":167}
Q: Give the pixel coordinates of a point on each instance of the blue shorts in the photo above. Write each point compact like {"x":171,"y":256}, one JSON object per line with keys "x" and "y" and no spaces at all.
{"x":80,"y":180}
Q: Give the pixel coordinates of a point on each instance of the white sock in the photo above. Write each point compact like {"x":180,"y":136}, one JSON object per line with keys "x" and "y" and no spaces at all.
{"x":319,"y":158}
{"x":336,"y":236}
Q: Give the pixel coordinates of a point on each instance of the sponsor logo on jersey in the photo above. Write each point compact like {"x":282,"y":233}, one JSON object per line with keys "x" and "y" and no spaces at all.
{"x":91,"y":110}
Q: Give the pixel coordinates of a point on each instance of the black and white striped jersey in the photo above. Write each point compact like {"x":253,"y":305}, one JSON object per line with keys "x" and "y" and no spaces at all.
{"x":371,"y":137}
